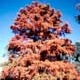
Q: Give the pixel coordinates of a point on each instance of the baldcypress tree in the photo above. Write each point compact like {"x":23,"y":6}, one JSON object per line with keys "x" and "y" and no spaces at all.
{"x":36,"y":49}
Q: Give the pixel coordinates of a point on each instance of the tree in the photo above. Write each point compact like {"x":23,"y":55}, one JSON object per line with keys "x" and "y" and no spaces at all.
{"x":77,"y":55}
{"x":78,"y":15}
{"x":38,"y":45}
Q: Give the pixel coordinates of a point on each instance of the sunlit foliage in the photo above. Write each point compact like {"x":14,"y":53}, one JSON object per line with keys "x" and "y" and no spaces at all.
{"x":38,"y":45}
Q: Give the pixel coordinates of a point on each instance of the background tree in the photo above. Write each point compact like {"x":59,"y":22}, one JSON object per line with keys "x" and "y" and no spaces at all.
{"x":77,"y":55}
{"x":78,"y":15}
{"x":38,"y":45}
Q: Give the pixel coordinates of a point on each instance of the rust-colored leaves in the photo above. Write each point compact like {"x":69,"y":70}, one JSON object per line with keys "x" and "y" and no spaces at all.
{"x":38,"y":44}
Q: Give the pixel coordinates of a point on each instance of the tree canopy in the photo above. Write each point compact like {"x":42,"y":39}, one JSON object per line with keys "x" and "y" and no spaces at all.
{"x":38,"y":44}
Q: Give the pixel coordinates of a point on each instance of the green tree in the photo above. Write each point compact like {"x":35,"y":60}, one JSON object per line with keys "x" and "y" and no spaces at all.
{"x":78,"y":15}
{"x":77,"y":55}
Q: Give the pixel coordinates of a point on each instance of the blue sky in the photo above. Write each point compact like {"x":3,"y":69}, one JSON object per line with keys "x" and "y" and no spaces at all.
{"x":9,"y":9}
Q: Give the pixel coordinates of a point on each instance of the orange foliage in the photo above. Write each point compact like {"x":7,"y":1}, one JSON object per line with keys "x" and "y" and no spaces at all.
{"x":37,"y":45}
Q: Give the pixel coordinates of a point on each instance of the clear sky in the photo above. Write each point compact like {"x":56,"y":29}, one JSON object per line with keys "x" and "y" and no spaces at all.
{"x":9,"y":9}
